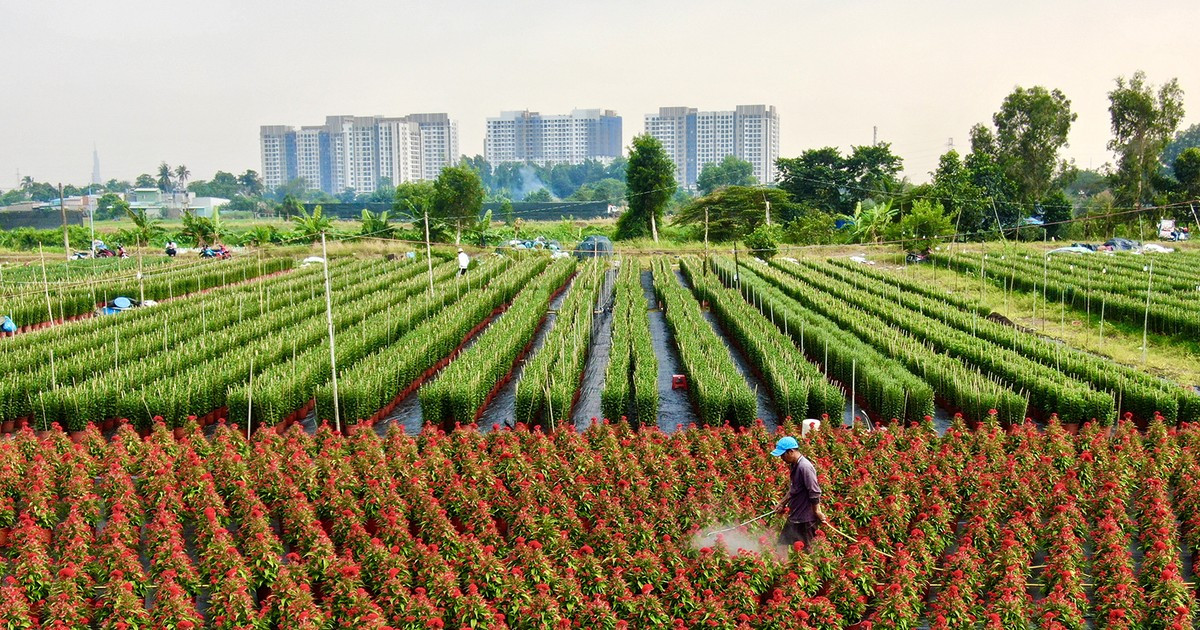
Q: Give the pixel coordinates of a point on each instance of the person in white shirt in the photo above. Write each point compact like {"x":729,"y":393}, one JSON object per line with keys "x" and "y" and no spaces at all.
{"x":463,"y":261}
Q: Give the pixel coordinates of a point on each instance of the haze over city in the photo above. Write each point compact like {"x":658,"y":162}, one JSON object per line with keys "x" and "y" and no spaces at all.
{"x":192,"y":82}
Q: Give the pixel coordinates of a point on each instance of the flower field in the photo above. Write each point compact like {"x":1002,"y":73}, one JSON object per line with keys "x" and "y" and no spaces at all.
{"x":596,"y":529}
{"x":29,"y":299}
{"x":1116,"y":284}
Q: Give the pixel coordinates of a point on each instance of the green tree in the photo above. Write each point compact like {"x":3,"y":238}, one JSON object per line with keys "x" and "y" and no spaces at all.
{"x":730,"y":171}
{"x":962,"y":199}
{"x":763,"y":242}
{"x":251,"y":183}
{"x":111,"y":206}
{"x":825,"y":180}
{"x":164,"y":177}
{"x":1143,"y":123}
{"x":291,"y":207}
{"x":812,"y":227}
{"x":650,"y":183}
{"x":412,"y":199}
{"x":735,"y":211}
{"x":923,"y":226}
{"x":873,"y":170}
{"x":1056,"y":208}
{"x":310,"y":226}
{"x":1185,"y":139}
{"x":223,"y":185}
{"x":457,"y":198}
{"x":1031,"y":127}
{"x":541,"y":195}
{"x":144,"y":181}
{"x":1187,"y":171}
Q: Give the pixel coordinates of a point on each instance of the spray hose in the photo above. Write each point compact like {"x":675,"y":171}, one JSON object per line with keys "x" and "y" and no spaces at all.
{"x":742,"y":524}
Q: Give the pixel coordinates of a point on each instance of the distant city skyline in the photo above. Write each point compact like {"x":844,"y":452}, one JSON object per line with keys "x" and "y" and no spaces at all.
{"x":922,"y":72}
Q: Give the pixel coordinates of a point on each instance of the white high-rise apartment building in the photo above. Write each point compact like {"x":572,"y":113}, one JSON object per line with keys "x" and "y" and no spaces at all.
{"x":357,"y":152}
{"x":694,"y":138}
{"x":525,"y":136}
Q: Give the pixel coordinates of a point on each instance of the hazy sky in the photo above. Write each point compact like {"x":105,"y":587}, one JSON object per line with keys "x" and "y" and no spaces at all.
{"x":190,"y":82}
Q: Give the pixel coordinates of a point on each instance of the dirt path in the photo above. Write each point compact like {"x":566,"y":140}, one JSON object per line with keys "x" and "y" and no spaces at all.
{"x":588,"y":405}
{"x":674,"y":408}
{"x":500,"y":411}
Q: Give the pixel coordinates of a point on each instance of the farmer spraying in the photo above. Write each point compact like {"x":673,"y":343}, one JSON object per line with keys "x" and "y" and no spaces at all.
{"x":802,"y":502}
{"x":463,"y":261}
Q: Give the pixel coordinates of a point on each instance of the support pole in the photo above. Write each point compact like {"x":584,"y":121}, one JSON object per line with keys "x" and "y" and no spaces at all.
{"x":250,"y":397}
{"x":428,"y":252}
{"x":46,"y":284}
{"x":337,"y":414}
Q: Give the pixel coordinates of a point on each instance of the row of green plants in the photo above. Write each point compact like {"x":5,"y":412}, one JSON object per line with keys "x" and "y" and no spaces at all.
{"x":903,"y":283}
{"x":1122,"y":300}
{"x":1136,"y":391}
{"x":181,"y":393}
{"x":631,"y":377}
{"x":193,"y":378}
{"x":48,"y":359}
{"x":546,"y":391}
{"x":377,"y":379}
{"x":897,"y":375}
{"x":14,"y":276}
{"x":140,"y":321}
{"x":1049,"y":390}
{"x":462,"y":389}
{"x":716,"y":387}
{"x":92,"y":349}
{"x":798,"y":387}
{"x":31,"y":305}
{"x":286,"y":386}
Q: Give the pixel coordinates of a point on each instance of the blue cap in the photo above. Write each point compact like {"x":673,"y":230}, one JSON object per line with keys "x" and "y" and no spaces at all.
{"x":784,"y":445}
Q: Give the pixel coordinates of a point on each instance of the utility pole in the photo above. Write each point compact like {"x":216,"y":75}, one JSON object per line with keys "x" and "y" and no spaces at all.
{"x":62,"y":206}
{"x":337,"y":414}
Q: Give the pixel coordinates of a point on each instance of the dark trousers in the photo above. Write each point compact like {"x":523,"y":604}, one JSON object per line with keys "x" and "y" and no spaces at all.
{"x":804,"y":532}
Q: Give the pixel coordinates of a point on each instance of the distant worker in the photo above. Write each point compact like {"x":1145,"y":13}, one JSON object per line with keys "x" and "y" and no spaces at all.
{"x":464,"y":261}
{"x":121,"y":251}
{"x":171,"y":248}
{"x":7,"y":324}
{"x":802,"y":501}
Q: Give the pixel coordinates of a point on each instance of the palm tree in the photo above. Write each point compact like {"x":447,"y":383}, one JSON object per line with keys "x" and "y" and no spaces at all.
{"x":260,"y":235}
{"x":181,"y":176}
{"x":203,"y":230}
{"x":26,"y":182}
{"x":311,"y":226}
{"x":164,"y":177}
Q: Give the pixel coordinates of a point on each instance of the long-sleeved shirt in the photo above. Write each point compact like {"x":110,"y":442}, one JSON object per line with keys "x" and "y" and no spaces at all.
{"x":804,"y":493}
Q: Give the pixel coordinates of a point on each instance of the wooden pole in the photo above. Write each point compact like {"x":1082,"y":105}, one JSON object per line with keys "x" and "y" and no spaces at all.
{"x":46,"y":284}
{"x":428,"y":252}
{"x":1146,"y":317}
